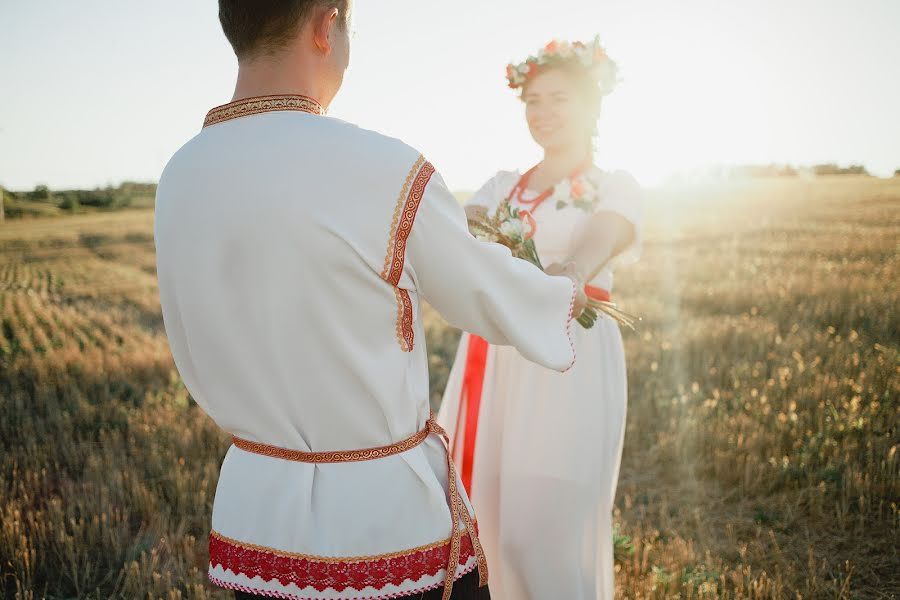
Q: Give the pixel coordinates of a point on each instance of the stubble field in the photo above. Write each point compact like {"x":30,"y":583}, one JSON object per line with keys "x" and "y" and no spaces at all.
{"x":761,"y":450}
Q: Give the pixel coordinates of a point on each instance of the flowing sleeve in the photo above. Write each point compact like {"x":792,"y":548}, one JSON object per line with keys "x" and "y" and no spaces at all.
{"x":621,"y":194}
{"x":481,"y":288}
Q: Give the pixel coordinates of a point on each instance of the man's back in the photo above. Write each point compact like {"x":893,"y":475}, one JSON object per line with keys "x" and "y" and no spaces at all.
{"x":292,"y":252}
{"x":267,"y":226}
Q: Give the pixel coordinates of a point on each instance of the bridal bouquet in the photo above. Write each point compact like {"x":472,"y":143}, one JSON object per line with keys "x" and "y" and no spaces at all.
{"x":514,"y":228}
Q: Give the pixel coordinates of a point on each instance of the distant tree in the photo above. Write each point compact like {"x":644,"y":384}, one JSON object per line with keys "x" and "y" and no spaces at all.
{"x":100,"y":198}
{"x":41,"y":192}
{"x":897,"y":173}
{"x":69,"y":201}
{"x":833,"y":169}
{"x":771,"y":170}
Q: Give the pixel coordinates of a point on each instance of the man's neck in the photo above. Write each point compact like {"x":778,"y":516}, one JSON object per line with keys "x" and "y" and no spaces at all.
{"x":271,"y":77}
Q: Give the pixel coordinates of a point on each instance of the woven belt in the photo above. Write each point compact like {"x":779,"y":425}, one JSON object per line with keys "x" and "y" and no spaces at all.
{"x":458,"y":509}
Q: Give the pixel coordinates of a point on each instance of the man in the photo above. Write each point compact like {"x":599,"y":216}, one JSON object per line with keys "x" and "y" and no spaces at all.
{"x":293,"y":251}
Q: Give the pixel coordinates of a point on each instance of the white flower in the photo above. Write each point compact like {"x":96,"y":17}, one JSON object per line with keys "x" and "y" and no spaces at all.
{"x":513,"y":229}
{"x":586,"y":56}
{"x":562,"y":192}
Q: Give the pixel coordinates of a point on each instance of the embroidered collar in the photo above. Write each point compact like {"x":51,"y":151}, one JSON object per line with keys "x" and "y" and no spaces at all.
{"x":261,"y":104}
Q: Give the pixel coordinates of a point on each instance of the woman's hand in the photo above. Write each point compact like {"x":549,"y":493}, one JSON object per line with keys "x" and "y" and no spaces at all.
{"x":569,"y":270}
{"x":604,"y":236}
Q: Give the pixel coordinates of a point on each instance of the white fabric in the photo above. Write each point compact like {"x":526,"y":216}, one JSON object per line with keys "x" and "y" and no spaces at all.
{"x":549,"y":444}
{"x":271,"y":233}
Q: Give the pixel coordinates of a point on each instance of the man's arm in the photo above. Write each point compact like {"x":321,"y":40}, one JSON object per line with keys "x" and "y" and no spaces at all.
{"x":481,"y":288}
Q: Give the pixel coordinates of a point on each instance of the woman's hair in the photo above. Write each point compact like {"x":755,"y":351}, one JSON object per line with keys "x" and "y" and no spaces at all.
{"x":260,"y":27}
{"x":591,"y":71}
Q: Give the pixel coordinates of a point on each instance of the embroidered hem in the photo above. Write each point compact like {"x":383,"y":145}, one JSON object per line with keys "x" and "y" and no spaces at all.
{"x":289,"y":596}
{"x":337,"y":573}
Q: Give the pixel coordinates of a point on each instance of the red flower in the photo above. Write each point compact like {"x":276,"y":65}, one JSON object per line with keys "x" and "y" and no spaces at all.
{"x":532,"y":69}
{"x":577,"y":189}
{"x":551,"y":47}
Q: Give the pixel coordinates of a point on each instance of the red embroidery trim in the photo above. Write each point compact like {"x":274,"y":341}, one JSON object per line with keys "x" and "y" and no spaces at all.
{"x":261,"y":104}
{"x":403,"y":594}
{"x":401,"y":226}
{"x":405,"y":323}
{"x":407,"y":218}
{"x":337,"y":573}
{"x":458,"y":510}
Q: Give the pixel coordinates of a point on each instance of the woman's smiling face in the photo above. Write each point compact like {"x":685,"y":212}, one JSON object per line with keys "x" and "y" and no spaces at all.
{"x":558,"y":113}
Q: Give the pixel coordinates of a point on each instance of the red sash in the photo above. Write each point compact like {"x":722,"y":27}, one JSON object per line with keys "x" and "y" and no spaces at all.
{"x":470,"y":398}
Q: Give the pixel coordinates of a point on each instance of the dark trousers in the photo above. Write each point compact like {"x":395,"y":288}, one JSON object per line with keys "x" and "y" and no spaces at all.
{"x":465,"y":588}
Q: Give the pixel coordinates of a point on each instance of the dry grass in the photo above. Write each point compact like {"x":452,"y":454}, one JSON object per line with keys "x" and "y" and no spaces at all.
{"x":761,"y":450}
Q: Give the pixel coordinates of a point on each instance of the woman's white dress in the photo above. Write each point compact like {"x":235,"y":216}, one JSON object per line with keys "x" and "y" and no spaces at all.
{"x":549,"y":444}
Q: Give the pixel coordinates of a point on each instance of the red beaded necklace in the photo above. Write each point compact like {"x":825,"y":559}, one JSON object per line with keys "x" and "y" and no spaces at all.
{"x":522,"y":184}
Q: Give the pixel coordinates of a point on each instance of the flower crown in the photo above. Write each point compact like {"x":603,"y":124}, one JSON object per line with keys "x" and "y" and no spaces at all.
{"x":591,"y":56}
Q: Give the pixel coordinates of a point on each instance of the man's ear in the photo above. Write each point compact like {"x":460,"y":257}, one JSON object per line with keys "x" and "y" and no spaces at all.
{"x":322,"y":27}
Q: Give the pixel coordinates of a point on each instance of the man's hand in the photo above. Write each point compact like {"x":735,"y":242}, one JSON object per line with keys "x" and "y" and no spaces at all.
{"x":569,"y":270}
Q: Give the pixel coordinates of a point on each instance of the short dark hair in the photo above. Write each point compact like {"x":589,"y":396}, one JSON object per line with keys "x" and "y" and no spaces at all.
{"x":258,"y":27}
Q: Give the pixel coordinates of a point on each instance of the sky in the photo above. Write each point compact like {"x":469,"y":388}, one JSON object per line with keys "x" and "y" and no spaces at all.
{"x":95,"y":92}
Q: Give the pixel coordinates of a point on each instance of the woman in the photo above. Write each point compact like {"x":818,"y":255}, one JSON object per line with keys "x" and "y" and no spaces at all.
{"x":540,"y":450}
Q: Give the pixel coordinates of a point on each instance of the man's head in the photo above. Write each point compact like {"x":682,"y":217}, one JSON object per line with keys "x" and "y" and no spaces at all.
{"x":302,"y":34}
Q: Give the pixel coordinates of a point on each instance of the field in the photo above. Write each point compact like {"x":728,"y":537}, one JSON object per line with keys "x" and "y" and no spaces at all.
{"x":761,"y":452}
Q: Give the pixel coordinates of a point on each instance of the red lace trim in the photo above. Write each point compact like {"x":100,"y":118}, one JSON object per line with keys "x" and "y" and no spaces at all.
{"x":388,"y":596}
{"x":339,"y":574}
